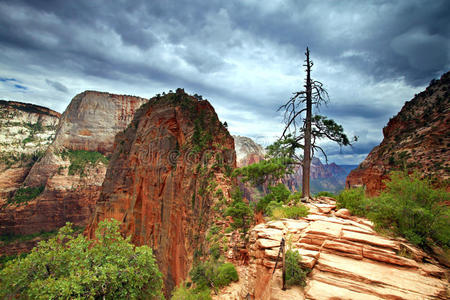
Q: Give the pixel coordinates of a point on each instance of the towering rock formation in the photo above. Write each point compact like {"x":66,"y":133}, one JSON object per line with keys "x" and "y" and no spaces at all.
{"x":26,"y":130}
{"x":417,"y":137}
{"x":164,"y":170}
{"x":247,"y":151}
{"x":71,"y":172}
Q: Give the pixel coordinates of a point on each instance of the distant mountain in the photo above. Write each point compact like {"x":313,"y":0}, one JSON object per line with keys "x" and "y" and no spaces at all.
{"x":329,"y":177}
{"x":417,"y":138}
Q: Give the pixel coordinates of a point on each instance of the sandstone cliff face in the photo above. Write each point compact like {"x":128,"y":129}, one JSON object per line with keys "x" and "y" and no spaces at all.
{"x":247,"y":151}
{"x":416,"y":138}
{"x":165,"y":167}
{"x":347,"y":258}
{"x":72,"y":180}
{"x":26,"y":130}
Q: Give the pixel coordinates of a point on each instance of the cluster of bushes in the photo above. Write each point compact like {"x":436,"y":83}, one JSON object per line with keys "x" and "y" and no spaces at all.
{"x":10,"y":159}
{"x":240,"y":211}
{"x":409,"y":206}
{"x":289,"y":212}
{"x":273,"y":204}
{"x":295,"y":274}
{"x":69,"y":266}
{"x":25,"y":194}
{"x":79,"y":159}
{"x":212,"y":274}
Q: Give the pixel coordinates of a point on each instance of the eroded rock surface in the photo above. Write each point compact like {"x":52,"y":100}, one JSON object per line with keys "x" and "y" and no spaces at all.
{"x":347,"y":258}
{"x":416,"y":138}
{"x":26,"y":130}
{"x":71,"y":189}
{"x":162,"y":175}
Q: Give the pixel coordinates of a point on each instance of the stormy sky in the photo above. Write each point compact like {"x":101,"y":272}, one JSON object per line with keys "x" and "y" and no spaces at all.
{"x":244,"y":56}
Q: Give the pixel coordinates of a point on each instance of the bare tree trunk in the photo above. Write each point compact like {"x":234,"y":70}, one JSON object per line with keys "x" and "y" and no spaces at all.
{"x":307,"y":149}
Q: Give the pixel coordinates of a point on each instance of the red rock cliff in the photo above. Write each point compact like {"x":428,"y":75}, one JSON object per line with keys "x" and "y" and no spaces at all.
{"x":416,"y":138}
{"x":90,"y":123}
{"x":159,"y":180}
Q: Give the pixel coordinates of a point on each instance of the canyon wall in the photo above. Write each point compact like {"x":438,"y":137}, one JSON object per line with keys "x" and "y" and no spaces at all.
{"x":70,"y":173}
{"x":417,"y":138}
{"x":163,"y":173}
{"x":26,"y":130}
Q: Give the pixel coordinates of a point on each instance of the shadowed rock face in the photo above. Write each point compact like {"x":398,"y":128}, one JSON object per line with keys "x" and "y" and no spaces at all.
{"x":160,"y":179}
{"x":416,"y":138}
{"x":89,"y":123}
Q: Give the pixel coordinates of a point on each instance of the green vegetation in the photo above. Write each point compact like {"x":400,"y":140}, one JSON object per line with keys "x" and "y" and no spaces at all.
{"x":213,"y":274}
{"x":295,"y":274}
{"x":325,"y":194}
{"x":354,"y":200}
{"x":289,"y":212}
{"x":25,"y":194}
{"x":277,"y":196}
{"x":9,"y":238}
{"x":23,"y":159}
{"x":80,"y":159}
{"x":268,"y":170}
{"x":240,"y":211}
{"x":184,"y":293}
{"x":69,"y":266}
{"x":409,"y":206}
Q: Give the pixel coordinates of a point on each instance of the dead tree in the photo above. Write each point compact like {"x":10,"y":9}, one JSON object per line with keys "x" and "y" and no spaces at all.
{"x":303,"y":129}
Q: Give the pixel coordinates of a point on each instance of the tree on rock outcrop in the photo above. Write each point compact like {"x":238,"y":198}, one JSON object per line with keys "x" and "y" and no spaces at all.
{"x":72,"y":267}
{"x":303,"y":129}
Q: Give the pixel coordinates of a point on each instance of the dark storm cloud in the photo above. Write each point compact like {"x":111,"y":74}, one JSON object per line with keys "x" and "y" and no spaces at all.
{"x":228,"y":51}
{"x":57,"y":85}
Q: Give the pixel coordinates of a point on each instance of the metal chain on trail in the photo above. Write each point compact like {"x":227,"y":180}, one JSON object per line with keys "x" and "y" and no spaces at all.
{"x":278,"y":256}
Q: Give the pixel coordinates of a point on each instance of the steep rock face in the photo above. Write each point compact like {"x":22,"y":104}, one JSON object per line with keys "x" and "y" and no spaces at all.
{"x":26,"y":130}
{"x":163,"y":171}
{"x":347,"y":258}
{"x":247,"y":151}
{"x":71,"y":180}
{"x":416,"y":138}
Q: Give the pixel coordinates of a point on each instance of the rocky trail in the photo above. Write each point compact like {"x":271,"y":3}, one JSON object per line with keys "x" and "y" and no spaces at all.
{"x":347,"y":258}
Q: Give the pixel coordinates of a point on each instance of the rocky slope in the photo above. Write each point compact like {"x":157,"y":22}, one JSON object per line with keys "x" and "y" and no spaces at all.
{"x":68,"y":178}
{"x":418,"y":137}
{"x":26,"y":130}
{"x":347,"y":258}
{"x":164,"y":171}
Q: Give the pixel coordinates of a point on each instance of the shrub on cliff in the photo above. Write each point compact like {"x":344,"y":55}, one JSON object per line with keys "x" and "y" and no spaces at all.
{"x":213,"y":274}
{"x":295,"y":274}
{"x":70,"y":267}
{"x":289,"y":212}
{"x":240,"y":211}
{"x":411,"y":207}
{"x":25,"y":194}
{"x":80,"y":159}
{"x":184,"y":293}
{"x":354,"y":200}
{"x":279,"y":194}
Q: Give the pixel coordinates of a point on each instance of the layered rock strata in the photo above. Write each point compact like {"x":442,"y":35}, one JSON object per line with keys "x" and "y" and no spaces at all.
{"x":347,"y":259}
{"x":163,"y":173}
{"x":26,"y":130}
{"x":417,"y":138}
{"x":72,"y":170}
